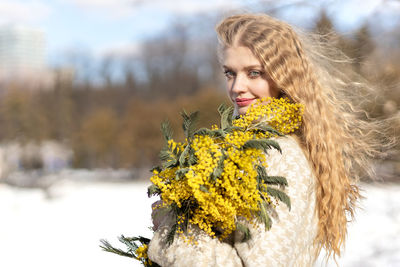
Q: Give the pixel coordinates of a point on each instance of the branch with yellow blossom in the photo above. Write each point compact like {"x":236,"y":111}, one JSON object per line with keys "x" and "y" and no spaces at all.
{"x":136,"y":249}
{"x":218,"y":174}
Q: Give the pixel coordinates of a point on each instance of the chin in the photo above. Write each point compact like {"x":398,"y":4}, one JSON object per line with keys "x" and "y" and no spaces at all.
{"x":241,"y":110}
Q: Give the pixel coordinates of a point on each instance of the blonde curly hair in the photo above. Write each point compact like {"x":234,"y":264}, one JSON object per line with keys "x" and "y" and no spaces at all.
{"x":336,"y":136}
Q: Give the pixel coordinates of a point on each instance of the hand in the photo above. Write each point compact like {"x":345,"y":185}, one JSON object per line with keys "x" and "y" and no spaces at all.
{"x":158,"y":214}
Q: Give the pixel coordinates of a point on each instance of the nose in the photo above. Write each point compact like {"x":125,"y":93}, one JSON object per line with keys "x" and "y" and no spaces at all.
{"x":239,"y":85}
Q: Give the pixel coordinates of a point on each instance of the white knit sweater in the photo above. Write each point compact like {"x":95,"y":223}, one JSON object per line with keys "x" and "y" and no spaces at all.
{"x":288,"y":243}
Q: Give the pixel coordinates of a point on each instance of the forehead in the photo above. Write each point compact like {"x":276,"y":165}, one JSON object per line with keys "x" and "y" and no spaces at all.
{"x":239,"y":57}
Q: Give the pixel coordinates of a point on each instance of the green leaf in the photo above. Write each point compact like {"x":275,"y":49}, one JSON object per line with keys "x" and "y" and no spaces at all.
{"x":223,"y":108}
{"x":141,"y":239}
{"x":106,"y":246}
{"x":183,"y":157}
{"x":264,"y":215}
{"x":278,"y":180}
{"x":204,"y":189}
{"x":170,"y":164}
{"x":279,"y":195}
{"x":262,"y":173}
{"x":245,"y":230}
{"x":168,"y":158}
{"x":153,"y":190}
{"x":189,"y":123}
{"x":263,"y":144}
{"x":130,"y":242}
{"x":192,"y":158}
{"x":217,"y":172}
{"x":226,"y":115}
{"x":179,"y":174}
{"x":211,"y":133}
{"x":233,"y":128}
{"x":176,"y":152}
{"x":263,"y":127}
{"x":218,"y":133}
{"x":203,"y":131}
{"x":166,"y":130}
{"x":171,"y":234}
{"x":165,"y":154}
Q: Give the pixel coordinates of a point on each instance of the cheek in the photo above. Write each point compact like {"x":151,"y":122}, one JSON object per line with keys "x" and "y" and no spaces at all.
{"x":262,"y":89}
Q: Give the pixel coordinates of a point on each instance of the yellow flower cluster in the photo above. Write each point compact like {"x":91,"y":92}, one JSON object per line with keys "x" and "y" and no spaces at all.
{"x":231,"y":194}
{"x":141,"y":253}
{"x":279,"y":113}
{"x":213,"y":200}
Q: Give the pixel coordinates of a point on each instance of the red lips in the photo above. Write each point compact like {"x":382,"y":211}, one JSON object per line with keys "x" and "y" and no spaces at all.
{"x":242,"y":102}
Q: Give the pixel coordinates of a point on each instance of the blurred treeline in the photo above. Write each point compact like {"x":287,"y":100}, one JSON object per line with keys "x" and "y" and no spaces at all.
{"x":112,"y":118}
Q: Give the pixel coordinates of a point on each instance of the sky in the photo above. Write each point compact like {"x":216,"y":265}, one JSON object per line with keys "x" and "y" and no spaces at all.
{"x":117,"y":26}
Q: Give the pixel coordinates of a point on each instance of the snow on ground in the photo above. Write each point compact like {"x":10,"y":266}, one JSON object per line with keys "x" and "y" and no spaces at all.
{"x":65,"y":229}
{"x":374,"y":237}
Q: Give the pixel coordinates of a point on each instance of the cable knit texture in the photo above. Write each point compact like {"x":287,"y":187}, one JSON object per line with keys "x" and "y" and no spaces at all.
{"x":288,"y":243}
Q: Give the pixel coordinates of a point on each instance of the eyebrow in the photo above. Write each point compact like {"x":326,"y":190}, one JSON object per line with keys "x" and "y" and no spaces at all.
{"x":245,"y":68}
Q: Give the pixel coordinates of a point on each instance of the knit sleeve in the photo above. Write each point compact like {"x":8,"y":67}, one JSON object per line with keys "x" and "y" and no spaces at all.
{"x":206,"y":252}
{"x":290,"y":240}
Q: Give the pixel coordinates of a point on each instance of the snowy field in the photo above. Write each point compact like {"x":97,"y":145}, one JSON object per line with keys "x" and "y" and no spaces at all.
{"x":63,"y":226}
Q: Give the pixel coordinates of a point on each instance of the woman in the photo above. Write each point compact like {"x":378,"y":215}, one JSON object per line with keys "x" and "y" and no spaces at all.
{"x":264,"y":57}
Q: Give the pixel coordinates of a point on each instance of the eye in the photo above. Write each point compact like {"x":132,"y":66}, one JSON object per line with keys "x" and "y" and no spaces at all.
{"x":229,"y":74}
{"x":254,"y":74}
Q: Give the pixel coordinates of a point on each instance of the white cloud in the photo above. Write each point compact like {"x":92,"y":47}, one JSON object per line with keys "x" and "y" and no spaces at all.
{"x":17,"y":11}
{"x":113,"y":8}
{"x":349,"y":15}
{"x":123,"y":8}
{"x":195,"y":6}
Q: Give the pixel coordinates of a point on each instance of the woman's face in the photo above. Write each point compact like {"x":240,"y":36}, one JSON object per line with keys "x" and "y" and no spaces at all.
{"x":246,"y":79}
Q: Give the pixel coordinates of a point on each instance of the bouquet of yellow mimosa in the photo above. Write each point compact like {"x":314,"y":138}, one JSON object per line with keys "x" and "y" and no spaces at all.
{"x":218,"y":175}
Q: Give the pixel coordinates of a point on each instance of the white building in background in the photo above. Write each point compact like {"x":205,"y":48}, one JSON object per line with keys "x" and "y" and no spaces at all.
{"x":22,"y":49}
{"x":23,"y":56}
